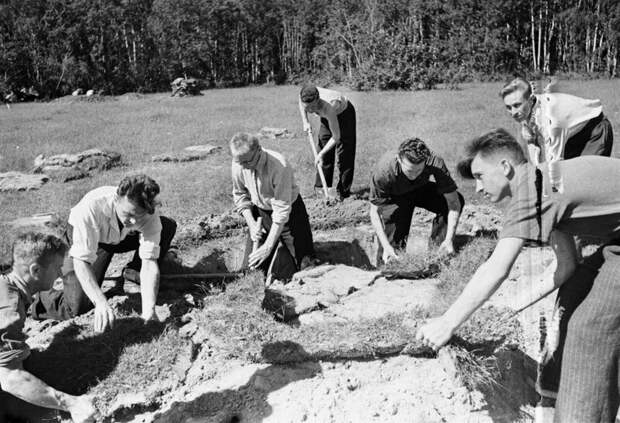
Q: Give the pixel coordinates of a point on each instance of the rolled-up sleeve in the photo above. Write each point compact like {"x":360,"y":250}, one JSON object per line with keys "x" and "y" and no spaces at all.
{"x":85,"y":239}
{"x":241,"y":195}
{"x":378,"y":189}
{"x":150,"y":236}
{"x":13,"y":348}
{"x":283,"y":182}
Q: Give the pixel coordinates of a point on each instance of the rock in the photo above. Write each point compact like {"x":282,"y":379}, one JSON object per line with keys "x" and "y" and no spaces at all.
{"x":90,"y":93}
{"x":274,"y":133}
{"x":17,"y":181}
{"x":315,"y":288}
{"x":188,"y":154}
{"x":385,"y":297}
{"x":69,"y":167}
{"x":77,"y":92}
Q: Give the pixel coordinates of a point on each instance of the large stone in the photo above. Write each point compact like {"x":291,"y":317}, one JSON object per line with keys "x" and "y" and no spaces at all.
{"x":385,"y":297}
{"x":17,"y":181}
{"x":188,"y":154}
{"x":316,"y":288}
{"x":68,"y":167}
{"x":274,"y":133}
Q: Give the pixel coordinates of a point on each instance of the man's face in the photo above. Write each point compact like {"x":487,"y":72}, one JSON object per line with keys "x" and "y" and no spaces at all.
{"x":247,"y":160}
{"x":129,"y":213}
{"x":491,"y":177}
{"x":409,"y":169}
{"x":48,"y":274}
{"x":518,"y":105}
{"x":313,"y":106}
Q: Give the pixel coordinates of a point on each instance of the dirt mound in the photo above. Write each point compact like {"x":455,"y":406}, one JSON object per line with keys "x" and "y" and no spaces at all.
{"x":77,"y":99}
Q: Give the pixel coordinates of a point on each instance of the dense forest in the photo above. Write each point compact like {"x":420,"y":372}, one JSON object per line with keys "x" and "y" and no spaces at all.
{"x":116,"y":46}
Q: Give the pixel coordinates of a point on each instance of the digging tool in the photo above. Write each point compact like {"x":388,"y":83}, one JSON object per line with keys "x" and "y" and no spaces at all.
{"x":328,"y":196}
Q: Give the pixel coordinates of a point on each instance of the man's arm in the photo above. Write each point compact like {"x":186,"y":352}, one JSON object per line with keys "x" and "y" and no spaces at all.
{"x":22,"y":384}
{"x":104,"y":316}
{"x":454,"y":212}
{"x":555,"y":274}
{"x":258,"y":256}
{"x":149,"y":287}
{"x":334,"y":127}
{"x":482,"y":285}
{"x":377,"y":224}
{"x":304,"y":117}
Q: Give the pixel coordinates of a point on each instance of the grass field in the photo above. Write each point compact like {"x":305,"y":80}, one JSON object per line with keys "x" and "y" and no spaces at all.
{"x":141,"y":126}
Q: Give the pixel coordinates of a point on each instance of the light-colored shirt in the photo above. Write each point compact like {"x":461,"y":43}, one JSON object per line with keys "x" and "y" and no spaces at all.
{"x":587,"y":206}
{"x":271,"y":186}
{"x":334,"y":98}
{"x":15,"y":297}
{"x":94,"y":221}
{"x":555,"y":118}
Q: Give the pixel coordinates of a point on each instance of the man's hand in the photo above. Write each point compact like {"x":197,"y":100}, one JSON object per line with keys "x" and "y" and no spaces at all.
{"x":446,"y":247}
{"x":318,"y":160}
{"x":259,"y":256}
{"x":435,"y":333}
{"x":83,"y":410}
{"x":307,"y":127}
{"x":257,"y":232}
{"x":104,"y":317}
{"x":389,"y":254}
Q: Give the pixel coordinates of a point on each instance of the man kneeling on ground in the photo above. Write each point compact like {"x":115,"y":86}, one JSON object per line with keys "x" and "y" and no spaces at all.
{"x":37,"y":262}
{"x":400,"y":182}
{"x":106,"y":221}
{"x":264,"y":186}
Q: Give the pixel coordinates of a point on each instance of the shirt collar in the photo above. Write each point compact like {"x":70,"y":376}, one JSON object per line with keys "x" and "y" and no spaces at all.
{"x":22,"y":286}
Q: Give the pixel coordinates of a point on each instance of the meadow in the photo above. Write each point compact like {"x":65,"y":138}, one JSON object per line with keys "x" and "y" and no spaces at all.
{"x":139,"y":127}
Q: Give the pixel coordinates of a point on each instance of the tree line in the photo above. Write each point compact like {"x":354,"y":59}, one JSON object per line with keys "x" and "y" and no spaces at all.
{"x":117,"y":46}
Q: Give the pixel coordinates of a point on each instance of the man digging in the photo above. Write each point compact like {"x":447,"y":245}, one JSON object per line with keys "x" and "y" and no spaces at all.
{"x":264,"y":187}
{"x":401,"y":182}
{"x":37,"y":262}
{"x":337,"y":134}
{"x":589,"y":294}
{"x":106,"y":221}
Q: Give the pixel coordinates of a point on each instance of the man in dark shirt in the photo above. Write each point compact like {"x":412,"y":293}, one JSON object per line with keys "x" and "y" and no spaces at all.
{"x":589,"y":292}
{"x":37,"y":262}
{"x":401,"y":182}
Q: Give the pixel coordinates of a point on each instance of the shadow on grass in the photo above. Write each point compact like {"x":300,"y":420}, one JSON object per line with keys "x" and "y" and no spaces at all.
{"x":342,"y":252}
{"x":246,"y":400}
{"x":514,"y":389}
{"x":78,"y":359}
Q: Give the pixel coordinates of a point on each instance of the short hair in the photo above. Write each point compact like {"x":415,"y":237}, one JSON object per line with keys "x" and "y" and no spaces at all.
{"x":141,"y":190}
{"x":242,"y":142}
{"x":490,"y":143}
{"x":37,"y":247}
{"x":309,"y":93}
{"x":517,"y":84}
{"x":414,"y":150}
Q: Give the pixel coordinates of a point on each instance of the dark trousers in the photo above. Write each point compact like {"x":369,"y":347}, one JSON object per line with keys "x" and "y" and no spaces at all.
{"x":71,"y":301}
{"x":13,"y":409}
{"x":594,"y":139}
{"x":295,"y":241}
{"x":345,"y":151}
{"x":397,"y":215}
{"x":590,"y":358}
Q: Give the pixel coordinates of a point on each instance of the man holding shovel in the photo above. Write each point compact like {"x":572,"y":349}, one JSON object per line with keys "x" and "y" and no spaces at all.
{"x":337,"y":135}
{"x":266,"y":195}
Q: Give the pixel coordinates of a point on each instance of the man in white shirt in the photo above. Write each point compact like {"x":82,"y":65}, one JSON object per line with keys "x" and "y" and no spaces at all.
{"x":106,"y":221}
{"x":337,"y":135}
{"x":557,"y":126}
{"x":264,"y":186}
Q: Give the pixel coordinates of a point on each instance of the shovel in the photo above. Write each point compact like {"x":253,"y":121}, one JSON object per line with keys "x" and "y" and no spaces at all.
{"x":328,"y":195}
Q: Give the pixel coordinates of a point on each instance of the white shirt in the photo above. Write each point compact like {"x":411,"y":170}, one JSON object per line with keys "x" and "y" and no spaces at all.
{"x":94,"y":221}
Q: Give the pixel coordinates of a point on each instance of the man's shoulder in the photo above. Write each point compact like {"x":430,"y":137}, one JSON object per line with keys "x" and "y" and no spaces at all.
{"x":97,"y":200}
{"x":435,"y":160}
{"x":9,"y":293}
{"x":276,"y":157}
